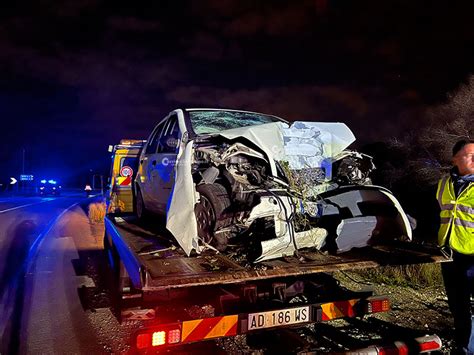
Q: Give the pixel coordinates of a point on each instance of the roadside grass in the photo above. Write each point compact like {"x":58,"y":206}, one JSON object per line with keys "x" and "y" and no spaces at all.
{"x":414,"y":276}
{"x":97,"y":212}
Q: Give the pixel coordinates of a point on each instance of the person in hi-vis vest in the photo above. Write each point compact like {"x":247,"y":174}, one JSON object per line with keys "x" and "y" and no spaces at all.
{"x":455,"y":196}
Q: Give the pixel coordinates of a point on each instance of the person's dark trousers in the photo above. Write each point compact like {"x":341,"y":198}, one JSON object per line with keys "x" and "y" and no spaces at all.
{"x":458,"y":277}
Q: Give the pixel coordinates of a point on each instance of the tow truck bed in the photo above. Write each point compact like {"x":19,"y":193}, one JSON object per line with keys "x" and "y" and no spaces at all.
{"x":154,"y":263}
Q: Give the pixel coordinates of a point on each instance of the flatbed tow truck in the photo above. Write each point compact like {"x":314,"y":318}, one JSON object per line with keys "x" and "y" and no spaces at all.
{"x":180,"y":299}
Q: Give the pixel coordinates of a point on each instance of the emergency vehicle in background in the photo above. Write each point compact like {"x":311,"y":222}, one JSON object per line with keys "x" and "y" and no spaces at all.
{"x":179,"y":299}
{"x":49,"y":187}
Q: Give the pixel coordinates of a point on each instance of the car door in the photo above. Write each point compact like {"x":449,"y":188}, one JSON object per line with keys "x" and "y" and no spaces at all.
{"x":163,"y":181}
{"x":147,"y":169}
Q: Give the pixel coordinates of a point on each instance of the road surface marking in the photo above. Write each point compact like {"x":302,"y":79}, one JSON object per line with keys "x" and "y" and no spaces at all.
{"x":36,"y":244}
{"x":7,"y":299}
{"x":17,"y":207}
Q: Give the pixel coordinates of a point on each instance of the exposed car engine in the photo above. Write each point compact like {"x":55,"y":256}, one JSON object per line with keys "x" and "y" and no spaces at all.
{"x":246,"y":175}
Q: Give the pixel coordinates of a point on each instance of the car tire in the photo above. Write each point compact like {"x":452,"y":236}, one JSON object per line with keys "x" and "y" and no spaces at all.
{"x":212,"y":215}
{"x":140,"y":209}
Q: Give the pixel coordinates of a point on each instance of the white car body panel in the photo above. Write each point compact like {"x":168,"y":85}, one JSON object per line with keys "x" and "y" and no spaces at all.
{"x":302,"y":145}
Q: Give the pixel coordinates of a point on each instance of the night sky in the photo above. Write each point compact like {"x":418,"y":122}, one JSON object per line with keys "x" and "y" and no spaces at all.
{"x":77,"y":77}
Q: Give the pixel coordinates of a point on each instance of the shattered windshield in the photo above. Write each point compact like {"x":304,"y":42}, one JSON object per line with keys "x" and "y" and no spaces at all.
{"x":208,"y":122}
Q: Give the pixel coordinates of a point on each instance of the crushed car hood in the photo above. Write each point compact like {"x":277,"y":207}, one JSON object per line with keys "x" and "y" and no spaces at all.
{"x":301,"y":144}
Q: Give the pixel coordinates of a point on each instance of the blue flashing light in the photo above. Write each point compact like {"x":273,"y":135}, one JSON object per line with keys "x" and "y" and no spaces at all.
{"x":43,"y":181}
{"x":52,"y":182}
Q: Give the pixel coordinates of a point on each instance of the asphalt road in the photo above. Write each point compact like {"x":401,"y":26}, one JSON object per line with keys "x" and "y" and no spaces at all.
{"x":53,"y":281}
{"x":40,"y":310}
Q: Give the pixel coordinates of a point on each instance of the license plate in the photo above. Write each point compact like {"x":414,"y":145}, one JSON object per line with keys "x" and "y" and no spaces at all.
{"x":278,"y":318}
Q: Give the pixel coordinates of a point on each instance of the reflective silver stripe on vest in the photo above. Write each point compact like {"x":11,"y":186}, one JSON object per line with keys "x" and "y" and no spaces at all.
{"x":463,"y":223}
{"x":462,"y":208}
{"x":448,"y":206}
{"x":465,"y":209}
{"x":445,"y":220}
{"x":441,"y":193}
{"x":458,"y":222}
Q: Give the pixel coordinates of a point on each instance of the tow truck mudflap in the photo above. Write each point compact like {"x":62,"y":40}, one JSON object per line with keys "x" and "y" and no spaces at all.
{"x":195,"y":330}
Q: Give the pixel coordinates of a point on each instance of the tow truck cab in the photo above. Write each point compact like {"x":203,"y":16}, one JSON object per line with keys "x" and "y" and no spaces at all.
{"x":123,"y":170}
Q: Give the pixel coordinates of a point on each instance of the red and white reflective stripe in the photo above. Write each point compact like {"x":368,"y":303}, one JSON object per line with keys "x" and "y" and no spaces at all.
{"x":424,"y":344}
{"x":351,"y":308}
{"x":209,"y":328}
{"x":123,"y":180}
{"x":398,"y":348}
{"x":429,"y":343}
{"x":339,"y":309}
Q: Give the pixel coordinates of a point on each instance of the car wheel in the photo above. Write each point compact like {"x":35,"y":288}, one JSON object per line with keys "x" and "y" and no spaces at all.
{"x":140,"y":209}
{"x":212,"y":215}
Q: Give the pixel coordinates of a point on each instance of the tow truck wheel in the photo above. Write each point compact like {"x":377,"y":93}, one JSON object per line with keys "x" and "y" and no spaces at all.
{"x":212,"y":215}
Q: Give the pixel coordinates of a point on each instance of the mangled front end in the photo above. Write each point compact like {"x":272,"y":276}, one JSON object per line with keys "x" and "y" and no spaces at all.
{"x":275,"y":189}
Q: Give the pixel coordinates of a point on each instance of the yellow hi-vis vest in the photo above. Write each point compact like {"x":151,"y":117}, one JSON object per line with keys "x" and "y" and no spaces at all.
{"x":457,"y":216}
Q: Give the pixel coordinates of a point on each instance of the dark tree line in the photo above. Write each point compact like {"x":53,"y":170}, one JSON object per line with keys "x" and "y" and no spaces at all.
{"x":411,"y":166}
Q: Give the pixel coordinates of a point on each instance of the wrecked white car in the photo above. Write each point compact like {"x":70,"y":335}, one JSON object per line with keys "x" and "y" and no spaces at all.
{"x":224,"y":178}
